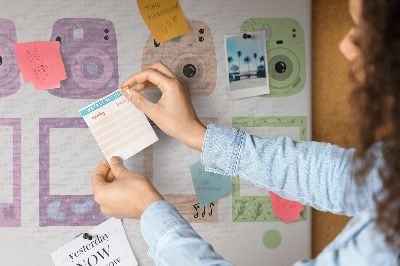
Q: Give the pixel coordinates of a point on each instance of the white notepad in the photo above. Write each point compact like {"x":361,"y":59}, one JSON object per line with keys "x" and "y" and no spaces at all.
{"x":118,"y":126}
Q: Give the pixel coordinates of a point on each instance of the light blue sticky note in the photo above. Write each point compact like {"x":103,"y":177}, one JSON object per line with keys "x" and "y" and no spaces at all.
{"x":209,"y":186}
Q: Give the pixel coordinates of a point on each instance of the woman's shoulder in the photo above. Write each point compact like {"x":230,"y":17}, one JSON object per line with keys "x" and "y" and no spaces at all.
{"x":361,"y":240}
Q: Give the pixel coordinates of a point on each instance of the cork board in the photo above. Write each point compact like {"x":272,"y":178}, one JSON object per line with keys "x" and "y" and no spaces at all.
{"x":47,"y":199}
{"x":330,"y":96}
{"x":330,"y":90}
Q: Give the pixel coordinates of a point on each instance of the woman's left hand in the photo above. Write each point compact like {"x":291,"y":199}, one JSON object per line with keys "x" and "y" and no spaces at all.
{"x":127,"y":197}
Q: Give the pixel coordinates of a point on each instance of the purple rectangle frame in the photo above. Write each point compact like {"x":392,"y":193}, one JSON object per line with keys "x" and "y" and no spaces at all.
{"x":62,"y":210}
{"x":10,"y":215}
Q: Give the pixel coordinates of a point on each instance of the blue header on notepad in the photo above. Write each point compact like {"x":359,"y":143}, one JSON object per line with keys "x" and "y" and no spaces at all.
{"x":100,"y":103}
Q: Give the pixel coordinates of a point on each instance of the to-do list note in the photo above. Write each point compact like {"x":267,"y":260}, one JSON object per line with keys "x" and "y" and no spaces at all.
{"x":118,"y":126}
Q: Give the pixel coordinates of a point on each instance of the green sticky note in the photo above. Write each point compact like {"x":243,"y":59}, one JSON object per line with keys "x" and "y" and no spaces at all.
{"x":209,"y":186}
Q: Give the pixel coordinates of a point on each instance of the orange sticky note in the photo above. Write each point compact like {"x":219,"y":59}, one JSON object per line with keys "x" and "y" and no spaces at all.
{"x":41,"y":63}
{"x":164,"y":18}
{"x":284,"y":209}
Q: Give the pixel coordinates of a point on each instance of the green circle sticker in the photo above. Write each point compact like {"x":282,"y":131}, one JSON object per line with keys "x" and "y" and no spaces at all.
{"x":272,"y":239}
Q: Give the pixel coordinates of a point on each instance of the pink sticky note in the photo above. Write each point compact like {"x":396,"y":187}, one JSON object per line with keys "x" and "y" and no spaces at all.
{"x":284,"y":209}
{"x":41,"y":63}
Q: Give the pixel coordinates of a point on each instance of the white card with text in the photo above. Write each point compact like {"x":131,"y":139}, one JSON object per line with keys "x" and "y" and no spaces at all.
{"x":109,"y":247}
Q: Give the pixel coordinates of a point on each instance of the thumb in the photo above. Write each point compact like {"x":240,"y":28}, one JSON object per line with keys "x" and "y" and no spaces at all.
{"x":117,"y":167}
{"x":139,"y":101}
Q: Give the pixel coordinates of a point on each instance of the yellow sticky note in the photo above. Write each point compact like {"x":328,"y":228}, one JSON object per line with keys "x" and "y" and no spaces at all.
{"x":164,"y":18}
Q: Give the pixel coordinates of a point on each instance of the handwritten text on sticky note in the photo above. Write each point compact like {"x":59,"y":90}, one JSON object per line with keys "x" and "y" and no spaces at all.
{"x":41,"y":64}
{"x":209,"y":186}
{"x":284,"y":209}
{"x":164,"y":18}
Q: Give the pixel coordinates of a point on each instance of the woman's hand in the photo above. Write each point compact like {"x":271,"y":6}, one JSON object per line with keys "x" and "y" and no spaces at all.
{"x":127,"y":197}
{"x":174,"y":113}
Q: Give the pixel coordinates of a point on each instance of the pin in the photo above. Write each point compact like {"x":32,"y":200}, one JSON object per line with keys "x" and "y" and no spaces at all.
{"x":87,"y":236}
{"x":246,"y":36}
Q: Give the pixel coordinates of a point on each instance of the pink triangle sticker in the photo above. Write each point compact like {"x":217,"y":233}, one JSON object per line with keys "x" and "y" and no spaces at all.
{"x":284,"y":209}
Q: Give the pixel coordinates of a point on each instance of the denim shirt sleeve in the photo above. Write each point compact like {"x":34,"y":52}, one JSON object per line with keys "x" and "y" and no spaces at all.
{"x":172,"y":241}
{"x":312,"y":173}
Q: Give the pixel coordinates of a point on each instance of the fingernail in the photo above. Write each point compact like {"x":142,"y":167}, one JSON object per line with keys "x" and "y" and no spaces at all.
{"x":128,"y":94}
{"x":115,"y":160}
{"x":124,"y":88}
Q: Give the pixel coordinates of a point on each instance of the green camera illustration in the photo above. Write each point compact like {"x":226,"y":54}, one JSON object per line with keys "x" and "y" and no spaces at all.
{"x":285,"y":52}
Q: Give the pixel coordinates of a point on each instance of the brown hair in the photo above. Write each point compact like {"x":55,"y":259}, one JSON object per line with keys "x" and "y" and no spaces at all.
{"x":375,"y":103}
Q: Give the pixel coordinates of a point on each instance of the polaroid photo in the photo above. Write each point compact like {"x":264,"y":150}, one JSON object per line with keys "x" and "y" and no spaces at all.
{"x":246,"y":64}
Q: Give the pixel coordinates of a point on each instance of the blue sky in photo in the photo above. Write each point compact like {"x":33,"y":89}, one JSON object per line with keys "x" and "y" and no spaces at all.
{"x":248,"y":47}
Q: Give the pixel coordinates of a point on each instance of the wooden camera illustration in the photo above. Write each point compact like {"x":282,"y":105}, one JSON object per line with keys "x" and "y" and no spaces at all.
{"x":285,"y":52}
{"x":89,"y":51}
{"x":9,"y":69}
{"x":191,"y":57}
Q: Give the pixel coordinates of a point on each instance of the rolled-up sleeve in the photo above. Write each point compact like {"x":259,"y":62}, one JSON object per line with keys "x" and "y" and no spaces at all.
{"x":316,"y":174}
{"x":171,"y":239}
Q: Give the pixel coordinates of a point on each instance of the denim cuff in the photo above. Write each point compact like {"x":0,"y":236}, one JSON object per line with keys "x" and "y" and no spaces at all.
{"x":222,"y":148}
{"x":158,"y":219}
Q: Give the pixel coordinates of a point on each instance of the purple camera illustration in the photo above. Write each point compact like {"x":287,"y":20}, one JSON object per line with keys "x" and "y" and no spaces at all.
{"x":9,"y":68}
{"x":89,"y":51}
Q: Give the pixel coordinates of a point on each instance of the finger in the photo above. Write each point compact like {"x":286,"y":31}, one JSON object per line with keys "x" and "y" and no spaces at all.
{"x":110,"y":177}
{"x":118,"y":169}
{"x":143,"y":86}
{"x":100,"y":174}
{"x":140,"y":102}
{"x":160,"y":67}
{"x":157,"y":78}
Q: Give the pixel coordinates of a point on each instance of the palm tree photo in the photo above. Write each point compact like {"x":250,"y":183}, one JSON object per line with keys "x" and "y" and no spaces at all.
{"x":230,"y":60}
{"x":247,"y":60}
{"x":262,"y":71}
{"x":255,"y":60}
{"x":239,"y":53}
{"x":262,"y":59}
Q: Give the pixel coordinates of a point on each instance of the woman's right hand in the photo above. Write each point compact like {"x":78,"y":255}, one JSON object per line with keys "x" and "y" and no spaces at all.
{"x":174,"y":113}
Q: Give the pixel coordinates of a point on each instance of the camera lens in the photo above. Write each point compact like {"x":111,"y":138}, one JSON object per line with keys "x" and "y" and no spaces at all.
{"x":189,"y":70}
{"x":280,"y":67}
{"x":92,"y":68}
